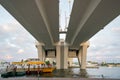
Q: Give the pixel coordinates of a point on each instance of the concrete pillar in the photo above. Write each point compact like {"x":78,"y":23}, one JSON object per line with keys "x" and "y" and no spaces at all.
{"x":83,"y":57}
{"x":79,"y":57}
{"x":41,"y":52}
{"x":58,"y":57}
{"x":62,"y":56}
{"x":44,"y":57}
{"x":84,"y":47}
{"x":65,"y":57}
{"x":70,"y":62}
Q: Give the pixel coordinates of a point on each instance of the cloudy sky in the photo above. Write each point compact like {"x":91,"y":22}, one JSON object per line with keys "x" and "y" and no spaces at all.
{"x":16,"y":43}
{"x":105,"y":45}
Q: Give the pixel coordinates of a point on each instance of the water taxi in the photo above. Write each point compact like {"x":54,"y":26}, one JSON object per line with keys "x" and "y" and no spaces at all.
{"x":26,"y":68}
{"x":38,"y":67}
{"x":34,"y":65}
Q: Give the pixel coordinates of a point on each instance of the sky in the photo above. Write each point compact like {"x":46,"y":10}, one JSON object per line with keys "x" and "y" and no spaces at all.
{"x":16,"y":43}
{"x":64,"y":12}
{"x":105,"y":45}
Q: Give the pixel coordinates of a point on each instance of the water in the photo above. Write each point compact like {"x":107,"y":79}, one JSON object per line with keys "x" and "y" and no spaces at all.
{"x":101,"y":72}
{"x":107,"y":72}
{"x":2,"y":69}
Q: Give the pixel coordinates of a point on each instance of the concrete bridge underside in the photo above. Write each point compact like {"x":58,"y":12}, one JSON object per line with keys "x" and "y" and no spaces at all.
{"x":41,"y":19}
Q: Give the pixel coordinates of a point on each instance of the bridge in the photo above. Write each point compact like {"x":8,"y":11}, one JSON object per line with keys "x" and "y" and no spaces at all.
{"x":41,"y":19}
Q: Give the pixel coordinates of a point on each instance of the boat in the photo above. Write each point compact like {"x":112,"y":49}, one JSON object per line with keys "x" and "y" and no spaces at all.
{"x":26,"y":68}
{"x":14,"y":71}
{"x":46,"y":70}
{"x":12,"y":74}
{"x":34,"y":65}
{"x":90,"y":65}
{"x":38,"y":67}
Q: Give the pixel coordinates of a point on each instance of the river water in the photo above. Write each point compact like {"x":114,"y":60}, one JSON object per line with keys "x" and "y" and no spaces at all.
{"x":107,"y":72}
{"x":101,"y":72}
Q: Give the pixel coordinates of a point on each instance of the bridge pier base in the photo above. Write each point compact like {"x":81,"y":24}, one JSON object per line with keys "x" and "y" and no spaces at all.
{"x":62,"y":56}
{"x":83,"y":54}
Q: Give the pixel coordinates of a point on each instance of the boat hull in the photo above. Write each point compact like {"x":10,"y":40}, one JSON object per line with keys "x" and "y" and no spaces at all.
{"x":12,"y":74}
{"x":45,"y":70}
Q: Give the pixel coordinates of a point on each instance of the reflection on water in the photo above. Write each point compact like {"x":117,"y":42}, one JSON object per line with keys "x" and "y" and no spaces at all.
{"x":71,"y":72}
{"x":101,"y":72}
{"x":83,"y":73}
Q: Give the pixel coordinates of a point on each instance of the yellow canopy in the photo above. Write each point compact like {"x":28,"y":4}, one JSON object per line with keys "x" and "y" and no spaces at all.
{"x":35,"y":62}
{"x":17,"y":63}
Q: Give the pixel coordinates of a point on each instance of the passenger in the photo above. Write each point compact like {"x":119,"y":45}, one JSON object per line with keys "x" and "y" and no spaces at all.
{"x":54,"y":63}
{"x":7,"y":69}
{"x":14,"y":70}
{"x":38,"y":69}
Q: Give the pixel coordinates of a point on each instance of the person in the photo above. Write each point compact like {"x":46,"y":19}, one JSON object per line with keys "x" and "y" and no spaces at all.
{"x":14,"y":70}
{"x":68,"y":64}
{"x":102,"y":76}
{"x":22,"y":60}
{"x":7,"y":69}
{"x":28,"y":71}
{"x":48,"y":63}
{"x":54,"y":63}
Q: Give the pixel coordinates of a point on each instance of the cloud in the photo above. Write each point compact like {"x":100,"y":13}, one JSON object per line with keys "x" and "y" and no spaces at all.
{"x":8,"y":57}
{"x":7,"y":28}
{"x":20,"y":51}
{"x":105,"y":45}
{"x":116,"y":29}
{"x":118,"y":57}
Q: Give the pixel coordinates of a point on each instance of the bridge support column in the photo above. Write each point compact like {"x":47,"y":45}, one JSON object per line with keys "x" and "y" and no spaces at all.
{"x":70,"y":61}
{"x":62,"y":56}
{"x":58,"y":57}
{"x":41,"y":52}
{"x":65,"y":57}
{"x":79,"y":57}
{"x":83,"y":52}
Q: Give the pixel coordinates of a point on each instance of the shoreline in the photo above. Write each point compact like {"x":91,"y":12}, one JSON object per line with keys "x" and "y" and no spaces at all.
{"x":17,"y":78}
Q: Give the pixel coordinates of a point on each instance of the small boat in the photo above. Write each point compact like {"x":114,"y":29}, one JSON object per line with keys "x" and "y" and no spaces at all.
{"x":14,"y":71}
{"x":12,"y":74}
{"x":90,"y":65}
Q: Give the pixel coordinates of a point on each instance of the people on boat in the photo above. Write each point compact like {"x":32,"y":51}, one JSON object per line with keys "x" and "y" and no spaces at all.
{"x":15,"y":70}
{"x":7,"y":69}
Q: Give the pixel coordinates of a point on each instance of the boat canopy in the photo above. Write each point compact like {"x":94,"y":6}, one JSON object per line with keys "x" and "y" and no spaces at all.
{"x":17,"y":63}
{"x":35,"y":62}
